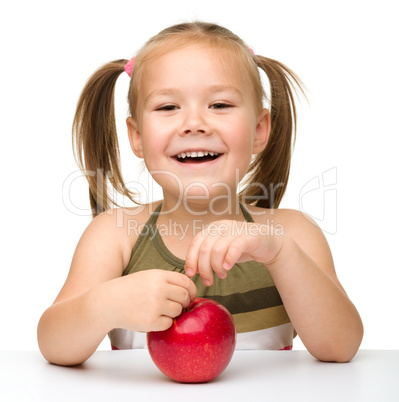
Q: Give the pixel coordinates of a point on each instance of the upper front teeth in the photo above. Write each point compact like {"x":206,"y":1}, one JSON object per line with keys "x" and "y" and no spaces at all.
{"x":196,"y":154}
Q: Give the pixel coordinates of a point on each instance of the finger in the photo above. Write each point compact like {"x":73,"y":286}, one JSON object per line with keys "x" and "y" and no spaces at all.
{"x":171,"y":309}
{"x":204,"y":261}
{"x":192,"y":290}
{"x":179,"y":295}
{"x":218,"y":255}
{"x":162,"y":324}
{"x":236,"y":248}
{"x":191,"y":265}
{"x":178,"y":279}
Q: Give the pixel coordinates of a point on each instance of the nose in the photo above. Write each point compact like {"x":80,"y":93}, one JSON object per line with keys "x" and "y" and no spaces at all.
{"x":194,"y":122}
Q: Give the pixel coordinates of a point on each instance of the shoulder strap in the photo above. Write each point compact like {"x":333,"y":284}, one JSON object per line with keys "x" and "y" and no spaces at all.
{"x":144,"y":232}
{"x":246,"y":213}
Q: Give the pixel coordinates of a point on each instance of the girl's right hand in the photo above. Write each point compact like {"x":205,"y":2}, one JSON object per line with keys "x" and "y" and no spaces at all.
{"x":146,"y":300}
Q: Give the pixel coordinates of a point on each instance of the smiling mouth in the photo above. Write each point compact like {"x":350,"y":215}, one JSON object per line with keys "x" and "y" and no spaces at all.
{"x":197,"y":157}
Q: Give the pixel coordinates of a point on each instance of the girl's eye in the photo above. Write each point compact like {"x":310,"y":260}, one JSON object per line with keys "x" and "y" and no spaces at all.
{"x":220,"y":105}
{"x":166,"y":107}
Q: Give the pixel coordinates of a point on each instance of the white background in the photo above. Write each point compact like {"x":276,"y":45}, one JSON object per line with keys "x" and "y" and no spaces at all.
{"x":346,"y":52}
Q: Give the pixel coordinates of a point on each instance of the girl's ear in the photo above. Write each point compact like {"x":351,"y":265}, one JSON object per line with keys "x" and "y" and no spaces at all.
{"x":134,"y":137}
{"x":262,"y":132}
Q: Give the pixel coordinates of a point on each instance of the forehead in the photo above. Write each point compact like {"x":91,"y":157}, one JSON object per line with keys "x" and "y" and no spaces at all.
{"x":194,"y":66}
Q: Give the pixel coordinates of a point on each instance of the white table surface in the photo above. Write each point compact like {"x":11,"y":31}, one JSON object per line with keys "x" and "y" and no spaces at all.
{"x":131,"y":375}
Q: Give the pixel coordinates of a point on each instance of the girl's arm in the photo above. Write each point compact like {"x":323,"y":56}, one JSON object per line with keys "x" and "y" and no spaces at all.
{"x":322,"y":314}
{"x":96,"y":298}
{"x":302,"y":268}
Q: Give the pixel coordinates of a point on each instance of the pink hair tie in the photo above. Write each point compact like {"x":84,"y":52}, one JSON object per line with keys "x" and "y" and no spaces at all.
{"x":129,"y":66}
{"x":251,"y":50}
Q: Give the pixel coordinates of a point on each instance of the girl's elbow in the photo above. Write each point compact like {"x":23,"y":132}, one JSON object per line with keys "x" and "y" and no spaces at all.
{"x":340,"y":350}
{"x":336,"y":357}
{"x":338,"y":353}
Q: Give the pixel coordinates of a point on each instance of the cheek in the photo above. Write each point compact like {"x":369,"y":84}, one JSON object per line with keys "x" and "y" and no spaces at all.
{"x":151,"y":148}
{"x":242,"y":134}
{"x":154,"y":143}
{"x":150,"y":134}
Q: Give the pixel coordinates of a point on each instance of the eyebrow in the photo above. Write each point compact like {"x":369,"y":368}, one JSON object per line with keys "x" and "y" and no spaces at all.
{"x":160,"y":92}
{"x":211,"y":89}
{"x":225,"y":88}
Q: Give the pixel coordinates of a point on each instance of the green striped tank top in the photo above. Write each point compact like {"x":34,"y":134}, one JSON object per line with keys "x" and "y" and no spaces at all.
{"x":248,"y":292}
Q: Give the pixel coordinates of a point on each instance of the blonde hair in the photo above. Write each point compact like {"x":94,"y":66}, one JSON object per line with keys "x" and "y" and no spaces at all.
{"x":94,"y":129}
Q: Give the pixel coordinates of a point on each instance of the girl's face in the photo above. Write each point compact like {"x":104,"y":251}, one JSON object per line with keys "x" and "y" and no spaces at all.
{"x":197,"y":126}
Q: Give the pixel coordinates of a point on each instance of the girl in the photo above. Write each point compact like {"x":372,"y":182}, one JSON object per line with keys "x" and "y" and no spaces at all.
{"x":198,"y":121}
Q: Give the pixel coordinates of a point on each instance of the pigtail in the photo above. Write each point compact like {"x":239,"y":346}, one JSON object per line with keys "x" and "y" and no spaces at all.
{"x":95,"y":140}
{"x":269,"y":171}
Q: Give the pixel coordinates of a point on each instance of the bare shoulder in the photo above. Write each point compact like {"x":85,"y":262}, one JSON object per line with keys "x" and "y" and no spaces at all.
{"x":104,"y":248}
{"x":293,"y":222}
{"x":122,"y":226}
{"x":300,"y":227}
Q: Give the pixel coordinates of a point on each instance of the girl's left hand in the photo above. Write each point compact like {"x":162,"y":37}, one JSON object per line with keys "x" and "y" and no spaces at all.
{"x":223,"y":243}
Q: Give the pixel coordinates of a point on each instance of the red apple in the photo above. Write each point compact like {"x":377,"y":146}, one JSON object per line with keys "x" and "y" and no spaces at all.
{"x":199,"y":344}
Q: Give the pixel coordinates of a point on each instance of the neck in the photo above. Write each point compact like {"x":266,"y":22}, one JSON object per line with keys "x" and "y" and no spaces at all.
{"x":201,"y":211}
